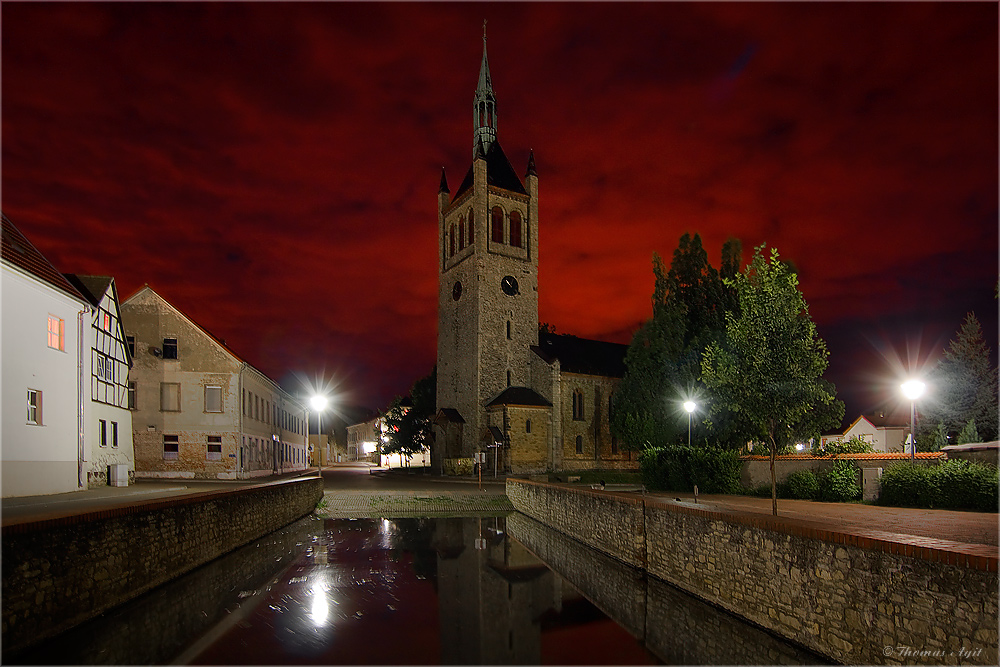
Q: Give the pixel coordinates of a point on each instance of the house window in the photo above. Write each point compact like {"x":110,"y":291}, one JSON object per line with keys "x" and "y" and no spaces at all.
{"x":579,"y":444}
{"x":515,"y":229}
{"x":214,"y":452}
{"x":472,"y":228}
{"x":131,"y":395}
{"x":34,"y":407}
{"x":213,"y":399}
{"x":57,"y":333}
{"x":106,"y":322}
{"x":527,"y":426}
{"x":577,"y":404}
{"x":131,"y":345}
{"x":114,"y":434}
{"x":171,"y":447}
{"x":496,"y":224}
{"x":103,"y":430}
{"x":169,"y":348}
{"x":170,"y":397}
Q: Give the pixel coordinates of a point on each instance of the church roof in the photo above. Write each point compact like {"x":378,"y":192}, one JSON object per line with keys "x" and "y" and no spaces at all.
{"x":581,"y":355}
{"x":499,"y":173}
{"x":520,"y":396}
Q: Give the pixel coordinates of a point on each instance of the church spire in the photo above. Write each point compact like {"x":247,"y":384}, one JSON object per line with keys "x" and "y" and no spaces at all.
{"x":484,"y":106}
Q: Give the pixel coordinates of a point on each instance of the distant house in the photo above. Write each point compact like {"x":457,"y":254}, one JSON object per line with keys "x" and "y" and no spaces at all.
{"x":876,"y":429}
{"x":44,"y":355}
{"x":108,"y":423}
{"x":199,"y":410}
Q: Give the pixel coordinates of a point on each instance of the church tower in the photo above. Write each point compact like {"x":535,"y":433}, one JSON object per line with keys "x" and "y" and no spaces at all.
{"x":487,"y":283}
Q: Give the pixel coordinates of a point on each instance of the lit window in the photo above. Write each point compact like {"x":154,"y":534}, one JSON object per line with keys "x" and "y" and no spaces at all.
{"x":57,"y":331}
{"x":213,"y":399}
{"x":34,"y":407}
{"x":106,"y":322}
{"x":169,"y":348}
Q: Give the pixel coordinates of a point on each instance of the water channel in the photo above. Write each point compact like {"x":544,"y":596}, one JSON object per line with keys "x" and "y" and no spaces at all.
{"x":416,"y":591}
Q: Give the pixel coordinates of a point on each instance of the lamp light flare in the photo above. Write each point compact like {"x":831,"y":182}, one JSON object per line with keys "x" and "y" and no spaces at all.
{"x":913,"y":389}
{"x":318,"y":402}
{"x":690,"y":406}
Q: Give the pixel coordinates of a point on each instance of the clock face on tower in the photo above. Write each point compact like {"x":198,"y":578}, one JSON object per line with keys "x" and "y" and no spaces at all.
{"x":509,"y":285}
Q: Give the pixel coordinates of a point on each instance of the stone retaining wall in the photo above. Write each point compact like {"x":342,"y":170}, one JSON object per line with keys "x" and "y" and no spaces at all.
{"x":859,"y":599}
{"x":60,"y":572}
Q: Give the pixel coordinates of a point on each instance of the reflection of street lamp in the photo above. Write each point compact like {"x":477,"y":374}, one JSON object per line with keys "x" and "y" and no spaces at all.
{"x":690,"y":407}
{"x":913,"y":389}
{"x":318,"y":403}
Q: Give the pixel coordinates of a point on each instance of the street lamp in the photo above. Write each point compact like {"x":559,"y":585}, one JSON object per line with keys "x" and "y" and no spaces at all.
{"x":913,"y":389}
{"x":690,"y":407}
{"x":318,"y":403}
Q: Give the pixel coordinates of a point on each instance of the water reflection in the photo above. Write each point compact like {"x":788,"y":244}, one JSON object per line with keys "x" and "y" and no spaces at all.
{"x":414,"y":591}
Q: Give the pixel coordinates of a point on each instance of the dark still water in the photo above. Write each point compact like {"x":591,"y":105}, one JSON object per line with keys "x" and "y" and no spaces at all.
{"x":415,"y":591}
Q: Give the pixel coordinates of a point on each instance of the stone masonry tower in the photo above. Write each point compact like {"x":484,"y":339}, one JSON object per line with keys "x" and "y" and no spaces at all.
{"x":487,"y":283}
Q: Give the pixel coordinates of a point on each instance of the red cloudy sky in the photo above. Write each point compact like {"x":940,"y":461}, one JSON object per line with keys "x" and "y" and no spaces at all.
{"x":272,"y":169}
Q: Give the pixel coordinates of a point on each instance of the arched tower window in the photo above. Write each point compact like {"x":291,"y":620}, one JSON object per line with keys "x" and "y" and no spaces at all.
{"x":461,"y":233}
{"x":472,"y":228}
{"x":496,"y":224}
{"x":515,"y":229}
{"x":579,"y":444}
{"x":451,"y":241}
{"x":527,"y":426}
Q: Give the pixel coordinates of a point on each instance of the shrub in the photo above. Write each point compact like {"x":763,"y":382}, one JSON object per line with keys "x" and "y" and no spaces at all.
{"x":803,"y":484}
{"x":954,"y":484}
{"x":840,"y":483}
{"x":680,"y":468}
{"x":855,"y":445}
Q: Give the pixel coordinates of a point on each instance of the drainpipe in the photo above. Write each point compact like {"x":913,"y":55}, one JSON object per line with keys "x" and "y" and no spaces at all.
{"x":239,"y":422}
{"x":81,"y":443}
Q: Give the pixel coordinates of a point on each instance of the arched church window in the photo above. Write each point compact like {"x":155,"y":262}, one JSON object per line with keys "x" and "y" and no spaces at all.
{"x":496,"y":224}
{"x":451,"y":241}
{"x":472,"y":228}
{"x":577,"y":404}
{"x":515,"y":229}
{"x":461,"y":233}
{"x":579,"y":444}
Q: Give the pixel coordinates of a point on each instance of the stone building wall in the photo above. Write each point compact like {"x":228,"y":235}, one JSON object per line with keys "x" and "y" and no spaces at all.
{"x":60,"y":572}
{"x":594,"y":429}
{"x":843,"y":595}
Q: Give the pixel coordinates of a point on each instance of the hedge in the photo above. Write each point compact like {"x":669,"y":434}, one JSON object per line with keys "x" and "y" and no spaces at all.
{"x":953,"y":484}
{"x":680,"y":468}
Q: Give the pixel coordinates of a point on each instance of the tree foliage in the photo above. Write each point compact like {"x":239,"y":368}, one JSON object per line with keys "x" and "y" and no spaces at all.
{"x":408,"y":428}
{"x":663,"y":363}
{"x":768,"y":369}
{"x":964,"y":385}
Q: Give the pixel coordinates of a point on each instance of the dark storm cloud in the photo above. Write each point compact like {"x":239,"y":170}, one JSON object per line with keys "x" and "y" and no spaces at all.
{"x":272,"y":169}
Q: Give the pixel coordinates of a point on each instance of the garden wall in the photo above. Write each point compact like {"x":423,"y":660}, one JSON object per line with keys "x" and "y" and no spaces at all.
{"x":60,"y":572}
{"x":846,"y":595}
{"x":757,"y":469}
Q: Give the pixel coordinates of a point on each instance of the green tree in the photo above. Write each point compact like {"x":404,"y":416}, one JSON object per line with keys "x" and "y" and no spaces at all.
{"x":663,"y":363}
{"x":408,"y":428}
{"x":969,"y":433}
{"x":964,"y":384}
{"x":769,"y":368}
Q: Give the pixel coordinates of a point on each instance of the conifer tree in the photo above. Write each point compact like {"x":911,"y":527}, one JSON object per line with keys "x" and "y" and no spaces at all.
{"x":969,"y":433}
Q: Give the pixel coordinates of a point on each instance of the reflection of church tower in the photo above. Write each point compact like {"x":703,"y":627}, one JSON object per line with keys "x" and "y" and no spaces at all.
{"x":487,"y":283}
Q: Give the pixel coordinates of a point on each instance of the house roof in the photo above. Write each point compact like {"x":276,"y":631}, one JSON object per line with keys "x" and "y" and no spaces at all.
{"x":522,"y":396}
{"x":499,"y":173}
{"x":19,"y":252}
{"x":861,"y":457}
{"x":92,"y":287}
{"x":582,"y":355}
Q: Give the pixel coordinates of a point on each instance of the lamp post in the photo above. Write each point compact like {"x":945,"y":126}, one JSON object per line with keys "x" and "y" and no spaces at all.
{"x":318,"y":403}
{"x":690,"y":407}
{"x":913,"y":389}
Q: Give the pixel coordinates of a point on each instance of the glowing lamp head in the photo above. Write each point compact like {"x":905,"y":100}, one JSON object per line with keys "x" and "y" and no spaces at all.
{"x":318,"y":403}
{"x":913,"y":389}
{"x":690,"y":406}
